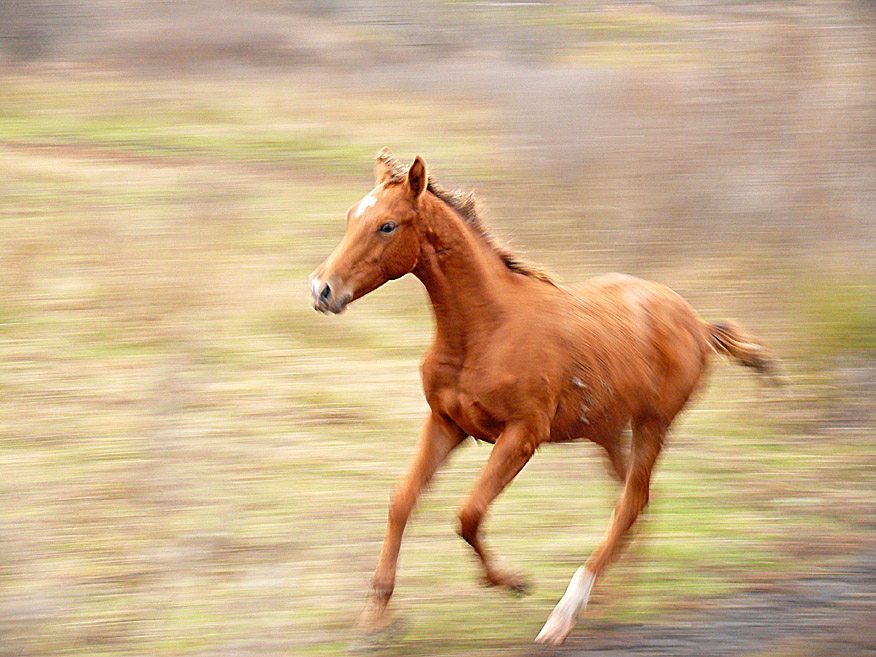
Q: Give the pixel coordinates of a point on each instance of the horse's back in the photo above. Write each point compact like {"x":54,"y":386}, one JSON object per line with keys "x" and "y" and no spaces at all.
{"x":655,"y":343}
{"x":642,"y":306}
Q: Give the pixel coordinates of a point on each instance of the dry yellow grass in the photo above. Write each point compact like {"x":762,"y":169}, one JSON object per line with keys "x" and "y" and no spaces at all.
{"x":196,"y":463}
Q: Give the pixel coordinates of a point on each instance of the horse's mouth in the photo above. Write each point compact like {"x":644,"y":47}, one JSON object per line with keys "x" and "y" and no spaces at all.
{"x":334,"y":307}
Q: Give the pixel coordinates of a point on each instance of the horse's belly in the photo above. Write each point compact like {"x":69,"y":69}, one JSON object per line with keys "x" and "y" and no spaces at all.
{"x":566,"y":429}
{"x":579,"y":417}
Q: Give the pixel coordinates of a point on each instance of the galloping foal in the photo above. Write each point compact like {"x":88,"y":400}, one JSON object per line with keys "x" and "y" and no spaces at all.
{"x":519,"y":360}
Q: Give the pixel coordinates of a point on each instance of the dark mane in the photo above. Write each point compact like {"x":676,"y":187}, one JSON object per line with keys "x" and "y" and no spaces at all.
{"x":466,"y":205}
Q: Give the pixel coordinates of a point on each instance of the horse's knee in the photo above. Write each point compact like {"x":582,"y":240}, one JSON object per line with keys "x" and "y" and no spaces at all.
{"x":396,"y":512}
{"x":400,"y":505}
{"x":469,"y":521}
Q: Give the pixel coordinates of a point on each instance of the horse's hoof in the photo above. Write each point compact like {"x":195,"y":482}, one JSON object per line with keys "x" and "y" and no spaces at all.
{"x":371,"y":634}
{"x":520,"y":587}
{"x":565,"y":614}
{"x":557,"y":628}
{"x":374,"y":618}
{"x":515,"y":584}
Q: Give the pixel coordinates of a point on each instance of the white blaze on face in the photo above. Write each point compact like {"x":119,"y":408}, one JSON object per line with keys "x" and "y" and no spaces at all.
{"x":367,"y":202}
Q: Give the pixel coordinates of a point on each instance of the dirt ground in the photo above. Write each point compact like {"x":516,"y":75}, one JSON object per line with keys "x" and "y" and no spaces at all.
{"x":831,"y":613}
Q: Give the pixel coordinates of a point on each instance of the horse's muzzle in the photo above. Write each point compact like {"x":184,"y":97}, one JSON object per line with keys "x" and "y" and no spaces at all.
{"x":326,"y":299}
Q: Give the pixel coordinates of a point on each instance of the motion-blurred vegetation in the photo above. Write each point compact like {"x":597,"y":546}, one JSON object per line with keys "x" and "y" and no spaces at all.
{"x":196,"y":463}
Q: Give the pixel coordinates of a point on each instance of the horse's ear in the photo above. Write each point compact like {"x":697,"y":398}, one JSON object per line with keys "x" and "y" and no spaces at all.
{"x":418,"y":177}
{"x":382,"y":171}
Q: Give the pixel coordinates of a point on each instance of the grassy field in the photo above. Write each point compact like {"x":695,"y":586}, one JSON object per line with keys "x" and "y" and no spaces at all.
{"x":196,"y":463}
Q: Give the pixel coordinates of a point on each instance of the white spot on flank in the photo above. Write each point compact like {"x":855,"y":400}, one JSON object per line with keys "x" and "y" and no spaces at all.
{"x":367,"y":202}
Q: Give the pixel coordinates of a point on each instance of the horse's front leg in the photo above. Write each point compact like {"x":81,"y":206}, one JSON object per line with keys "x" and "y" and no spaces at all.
{"x":437,"y":439}
{"x":511,"y":452}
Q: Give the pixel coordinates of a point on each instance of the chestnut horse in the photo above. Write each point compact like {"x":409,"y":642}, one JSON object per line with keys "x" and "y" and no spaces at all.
{"x":519,"y":360}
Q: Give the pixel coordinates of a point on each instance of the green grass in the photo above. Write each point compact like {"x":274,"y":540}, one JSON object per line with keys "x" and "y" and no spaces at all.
{"x":197,"y":463}
{"x":841,"y":311}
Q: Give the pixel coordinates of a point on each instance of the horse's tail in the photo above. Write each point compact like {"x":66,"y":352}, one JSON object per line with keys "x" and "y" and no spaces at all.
{"x":730,"y":339}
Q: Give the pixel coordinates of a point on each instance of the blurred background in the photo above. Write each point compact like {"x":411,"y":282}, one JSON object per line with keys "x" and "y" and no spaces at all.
{"x":195,"y":463}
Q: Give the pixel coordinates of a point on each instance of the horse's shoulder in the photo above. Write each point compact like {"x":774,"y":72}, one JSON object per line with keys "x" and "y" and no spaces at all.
{"x":439,"y":364}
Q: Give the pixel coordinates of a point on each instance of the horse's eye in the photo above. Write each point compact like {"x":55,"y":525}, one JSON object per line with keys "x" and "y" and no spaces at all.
{"x":388,"y":227}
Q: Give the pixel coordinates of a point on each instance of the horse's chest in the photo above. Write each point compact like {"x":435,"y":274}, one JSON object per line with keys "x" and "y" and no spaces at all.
{"x":454,"y":395}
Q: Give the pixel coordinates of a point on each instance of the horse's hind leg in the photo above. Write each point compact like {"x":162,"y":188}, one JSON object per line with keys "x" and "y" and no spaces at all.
{"x":512,"y":451}
{"x":645,"y":447}
{"x":613,"y":443}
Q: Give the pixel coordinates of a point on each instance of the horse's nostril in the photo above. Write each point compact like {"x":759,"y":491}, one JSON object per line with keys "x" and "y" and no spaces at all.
{"x":325,"y":294}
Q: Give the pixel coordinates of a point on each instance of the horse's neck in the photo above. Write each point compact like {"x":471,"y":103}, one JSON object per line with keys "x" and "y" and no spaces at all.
{"x":465,"y":279}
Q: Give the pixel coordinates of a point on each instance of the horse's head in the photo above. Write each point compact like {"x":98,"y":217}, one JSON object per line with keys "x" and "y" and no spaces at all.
{"x":381,"y":243}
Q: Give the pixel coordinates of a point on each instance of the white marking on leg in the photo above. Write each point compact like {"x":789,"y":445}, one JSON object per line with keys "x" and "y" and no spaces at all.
{"x":367,"y":202}
{"x":565,"y":614}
